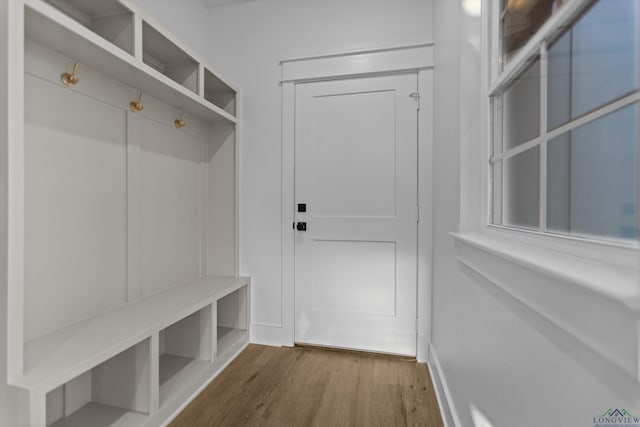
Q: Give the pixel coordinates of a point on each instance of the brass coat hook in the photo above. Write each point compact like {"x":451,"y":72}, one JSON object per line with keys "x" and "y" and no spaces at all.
{"x":136,"y":106}
{"x":70,"y":79}
{"x":179,"y":123}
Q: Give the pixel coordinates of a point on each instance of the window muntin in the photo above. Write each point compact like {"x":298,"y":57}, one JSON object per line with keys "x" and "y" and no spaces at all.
{"x":569,"y":166}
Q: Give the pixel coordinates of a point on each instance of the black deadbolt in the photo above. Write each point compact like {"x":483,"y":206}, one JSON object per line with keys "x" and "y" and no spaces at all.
{"x":302,"y":207}
{"x":301,"y":226}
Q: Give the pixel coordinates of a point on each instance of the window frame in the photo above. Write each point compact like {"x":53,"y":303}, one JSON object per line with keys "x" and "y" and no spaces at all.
{"x":498,"y":76}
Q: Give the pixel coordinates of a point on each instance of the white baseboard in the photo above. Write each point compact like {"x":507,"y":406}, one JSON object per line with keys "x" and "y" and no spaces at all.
{"x":271,"y":335}
{"x":448,"y":411}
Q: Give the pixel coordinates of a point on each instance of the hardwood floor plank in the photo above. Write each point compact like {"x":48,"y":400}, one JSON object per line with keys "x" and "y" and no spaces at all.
{"x":306,"y":386}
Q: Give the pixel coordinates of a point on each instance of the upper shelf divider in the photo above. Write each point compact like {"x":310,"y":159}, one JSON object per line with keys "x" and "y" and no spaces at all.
{"x":101,"y":35}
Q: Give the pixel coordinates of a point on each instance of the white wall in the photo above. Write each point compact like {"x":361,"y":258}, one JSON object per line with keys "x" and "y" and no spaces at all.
{"x":506,"y":361}
{"x":446,"y":154}
{"x":247,"y":42}
{"x":185,"y":19}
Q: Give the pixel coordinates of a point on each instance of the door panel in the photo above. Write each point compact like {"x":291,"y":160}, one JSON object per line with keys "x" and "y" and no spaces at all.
{"x":355,"y":265}
{"x":354,"y":277}
{"x":356,"y":148}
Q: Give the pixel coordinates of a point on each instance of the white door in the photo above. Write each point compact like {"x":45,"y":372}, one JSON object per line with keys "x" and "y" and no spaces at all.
{"x":356,"y":192}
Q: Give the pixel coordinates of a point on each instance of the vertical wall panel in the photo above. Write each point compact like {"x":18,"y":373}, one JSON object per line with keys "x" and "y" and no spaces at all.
{"x":75,"y":203}
{"x":170,"y":206}
{"x":221,"y":206}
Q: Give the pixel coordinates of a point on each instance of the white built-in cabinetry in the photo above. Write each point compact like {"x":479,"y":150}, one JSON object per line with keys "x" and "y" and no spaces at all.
{"x":124,"y":296}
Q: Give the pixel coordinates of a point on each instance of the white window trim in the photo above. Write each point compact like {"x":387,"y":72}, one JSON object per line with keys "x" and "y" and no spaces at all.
{"x":538,"y":44}
{"x":609,"y":268}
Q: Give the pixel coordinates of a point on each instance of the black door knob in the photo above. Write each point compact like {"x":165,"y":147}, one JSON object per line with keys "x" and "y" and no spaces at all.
{"x":301,"y":226}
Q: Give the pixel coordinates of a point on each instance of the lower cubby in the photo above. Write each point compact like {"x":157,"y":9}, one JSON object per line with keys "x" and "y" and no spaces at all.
{"x":114,"y":393}
{"x":231,"y":319}
{"x":141,"y":364}
{"x":185,"y":352}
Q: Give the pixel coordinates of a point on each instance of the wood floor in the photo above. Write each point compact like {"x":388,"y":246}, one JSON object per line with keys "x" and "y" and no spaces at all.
{"x":281,"y":386}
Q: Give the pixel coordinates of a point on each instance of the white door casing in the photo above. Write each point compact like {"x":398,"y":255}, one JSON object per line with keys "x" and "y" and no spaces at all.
{"x":341,"y":65}
{"x":356,"y":171}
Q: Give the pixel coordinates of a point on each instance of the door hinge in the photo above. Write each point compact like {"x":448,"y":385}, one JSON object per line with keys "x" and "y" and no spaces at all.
{"x":417,"y":213}
{"x":416,"y":97}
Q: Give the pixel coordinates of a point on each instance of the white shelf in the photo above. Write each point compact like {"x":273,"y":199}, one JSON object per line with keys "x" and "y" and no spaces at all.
{"x":98,"y":415}
{"x":219,"y":93}
{"x":58,"y":31}
{"x":164,"y":56}
{"x":57,"y":358}
{"x":110,"y":19}
{"x":185,"y":352}
{"x":87,"y":10}
{"x":111,"y":393}
{"x":227,"y":337}
{"x":179,"y":396}
{"x":178,"y":372}
{"x":232,"y":321}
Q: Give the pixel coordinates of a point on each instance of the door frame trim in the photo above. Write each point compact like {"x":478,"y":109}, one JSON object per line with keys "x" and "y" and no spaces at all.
{"x":392,"y":60}
{"x":353,"y":64}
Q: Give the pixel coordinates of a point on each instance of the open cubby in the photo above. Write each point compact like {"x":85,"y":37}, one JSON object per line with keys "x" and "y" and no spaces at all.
{"x":219,"y":93}
{"x":110,"y":19}
{"x":185,"y":352}
{"x":231,"y":319}
{"x":115,"y":390}
{"x":166,"y":57}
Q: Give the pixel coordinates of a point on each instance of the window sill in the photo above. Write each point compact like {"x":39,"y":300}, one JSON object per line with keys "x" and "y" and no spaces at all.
{"x":616,"y":282}
{"x":580,"y":301}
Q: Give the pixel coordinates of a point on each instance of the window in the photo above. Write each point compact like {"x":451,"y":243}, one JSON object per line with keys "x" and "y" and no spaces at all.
{"x":565,"y":131}
{"x":520,"y":19}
